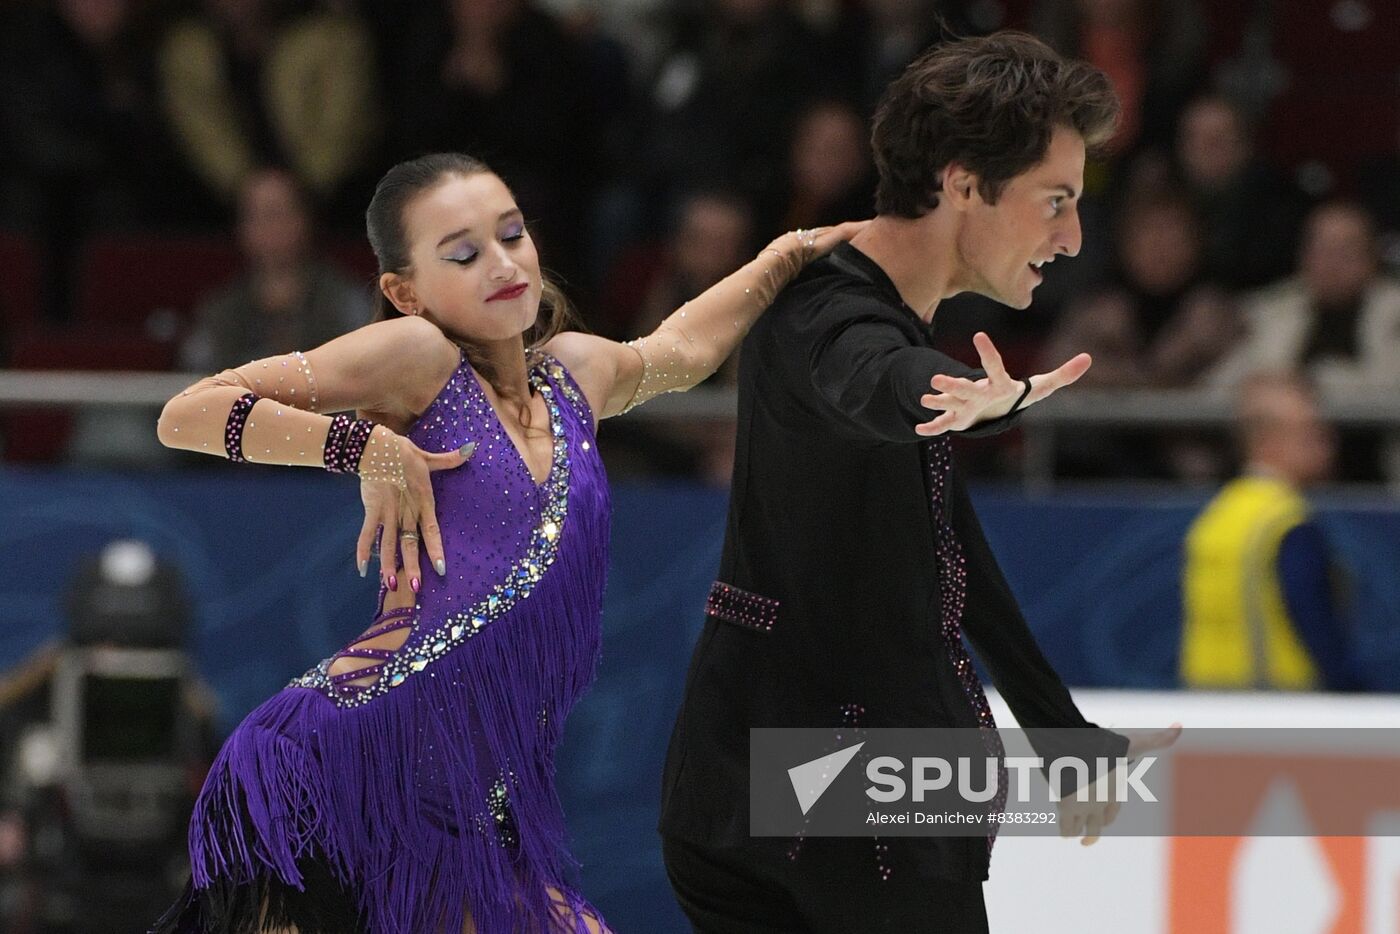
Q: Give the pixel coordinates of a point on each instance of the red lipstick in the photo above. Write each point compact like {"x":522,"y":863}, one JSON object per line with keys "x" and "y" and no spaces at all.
{"x":510,"y":291}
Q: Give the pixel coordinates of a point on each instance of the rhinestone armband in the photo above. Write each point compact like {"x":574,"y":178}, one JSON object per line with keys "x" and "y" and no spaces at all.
{"x":734,"y":605}
{"x":237,"y":421}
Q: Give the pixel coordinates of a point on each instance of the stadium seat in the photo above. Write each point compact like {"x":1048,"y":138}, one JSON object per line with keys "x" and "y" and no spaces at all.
{"x":625,"y":289}
{"x":22,"y":300}
{"x":148,"y":285}
{"x":354,"y":257}
{"x":1339,"y":105}
{"x":40,"y":435}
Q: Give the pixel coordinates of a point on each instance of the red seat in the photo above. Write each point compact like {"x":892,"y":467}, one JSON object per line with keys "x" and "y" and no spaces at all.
{"x":22,"y":299}
{"x":41,"y":435}
{"x":90,"y":348}
{"x":354,"y":257}
{"x":1226,"y":24}
{"x":625,"y":289}
{"x":147,"y":285}
{"x":1342,"y":40}
{"x":1339,"y":105}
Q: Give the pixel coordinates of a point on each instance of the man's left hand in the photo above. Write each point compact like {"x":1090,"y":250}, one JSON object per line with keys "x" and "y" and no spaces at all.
{"x":967,"y":402}
{"x":1091,"y":817}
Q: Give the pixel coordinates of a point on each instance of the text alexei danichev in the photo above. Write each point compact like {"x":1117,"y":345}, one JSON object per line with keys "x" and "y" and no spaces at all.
{"x":922,"y":817}
{"x":956,"y":817}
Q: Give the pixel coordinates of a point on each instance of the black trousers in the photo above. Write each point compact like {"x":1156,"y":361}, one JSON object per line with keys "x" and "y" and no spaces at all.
{"x":834,"y":886}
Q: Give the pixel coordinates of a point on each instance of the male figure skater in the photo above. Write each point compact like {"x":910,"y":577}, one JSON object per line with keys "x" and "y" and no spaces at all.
{"x":852,"y":557}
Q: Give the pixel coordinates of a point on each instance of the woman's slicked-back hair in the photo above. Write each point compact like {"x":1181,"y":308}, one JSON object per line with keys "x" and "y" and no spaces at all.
{"x":990,"y":104}
{"x":388,"y":234}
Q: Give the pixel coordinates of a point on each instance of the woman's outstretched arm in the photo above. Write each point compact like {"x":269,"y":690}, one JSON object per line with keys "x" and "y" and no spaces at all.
{"x":270,"y":410}
{"x":697,"y":337}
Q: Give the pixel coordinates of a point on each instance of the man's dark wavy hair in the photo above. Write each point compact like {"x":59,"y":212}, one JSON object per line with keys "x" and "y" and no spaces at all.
{"x":989,"y":103}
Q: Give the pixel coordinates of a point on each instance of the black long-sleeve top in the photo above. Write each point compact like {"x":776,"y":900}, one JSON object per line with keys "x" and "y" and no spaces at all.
{"x":830,"y":515}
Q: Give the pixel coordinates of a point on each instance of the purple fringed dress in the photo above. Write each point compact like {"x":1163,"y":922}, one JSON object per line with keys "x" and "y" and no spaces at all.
{"x":427,"y":798}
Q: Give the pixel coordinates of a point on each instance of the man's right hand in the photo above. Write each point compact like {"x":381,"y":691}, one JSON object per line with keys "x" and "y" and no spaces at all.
{"x":966,"y":402}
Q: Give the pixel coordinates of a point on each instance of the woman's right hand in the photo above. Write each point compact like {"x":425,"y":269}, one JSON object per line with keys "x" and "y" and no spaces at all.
{"x":391,"y":511}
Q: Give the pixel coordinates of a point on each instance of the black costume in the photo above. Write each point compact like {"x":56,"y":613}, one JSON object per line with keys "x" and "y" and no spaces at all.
{"x":847,"y":537}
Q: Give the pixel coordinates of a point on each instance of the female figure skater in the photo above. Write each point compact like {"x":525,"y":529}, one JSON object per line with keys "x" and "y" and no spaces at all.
{"x":405,"y":784}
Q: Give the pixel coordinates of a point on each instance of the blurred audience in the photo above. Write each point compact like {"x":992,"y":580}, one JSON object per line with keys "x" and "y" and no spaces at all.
{"x":1158,"y":320}
{"x":286,"y":298}
{"x":723,"y":102}
{"x":76,"y":92}
{"x":875,"y":40}
{"x":713,"y":237}
{"x":264,"y":82}
{"x":1263,"y":605}
{"x":82,"y":141}
{"x":1251,"y":212}
{"x":830,"y":176}
{"x":502,"y":80}
{"x":1337,"y":318}
{"x":613,"y":121}
{"x":1153,"y":52}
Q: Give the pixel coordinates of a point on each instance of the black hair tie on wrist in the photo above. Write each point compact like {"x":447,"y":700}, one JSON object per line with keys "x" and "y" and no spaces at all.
{"x":1025,"y":392}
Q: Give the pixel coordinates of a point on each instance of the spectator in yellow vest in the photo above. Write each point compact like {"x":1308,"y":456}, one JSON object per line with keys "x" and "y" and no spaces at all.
{"x":1261,"y":608}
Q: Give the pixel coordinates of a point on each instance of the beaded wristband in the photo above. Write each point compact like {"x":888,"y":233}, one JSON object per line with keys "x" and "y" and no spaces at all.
{"x":233,"y":430}
{"x":355,"y":440}
{"x":334,"y":456}
{"x":345,"y":443}
{"x":352,"y":447}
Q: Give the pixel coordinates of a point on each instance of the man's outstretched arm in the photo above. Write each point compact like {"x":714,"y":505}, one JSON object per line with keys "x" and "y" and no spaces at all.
{"x":881,"y":385}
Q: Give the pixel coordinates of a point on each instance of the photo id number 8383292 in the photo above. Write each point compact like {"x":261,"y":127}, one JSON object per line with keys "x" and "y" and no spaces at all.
{"x":1024,"y":817}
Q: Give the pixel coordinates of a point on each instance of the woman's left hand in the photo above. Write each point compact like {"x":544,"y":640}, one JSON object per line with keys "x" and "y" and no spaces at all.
{"x":806,"y":245}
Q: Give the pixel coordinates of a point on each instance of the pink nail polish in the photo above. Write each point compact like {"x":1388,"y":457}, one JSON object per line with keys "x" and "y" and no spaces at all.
{"x":413,"y":582}
{"x":393,"y":582}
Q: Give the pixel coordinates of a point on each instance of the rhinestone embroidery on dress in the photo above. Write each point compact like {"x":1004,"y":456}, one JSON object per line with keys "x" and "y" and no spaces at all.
{"x":498,"y":806}
{"x":517,"y":584}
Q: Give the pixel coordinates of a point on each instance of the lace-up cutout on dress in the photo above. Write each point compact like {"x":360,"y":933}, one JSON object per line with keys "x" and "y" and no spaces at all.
{"x":361,"y":662}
